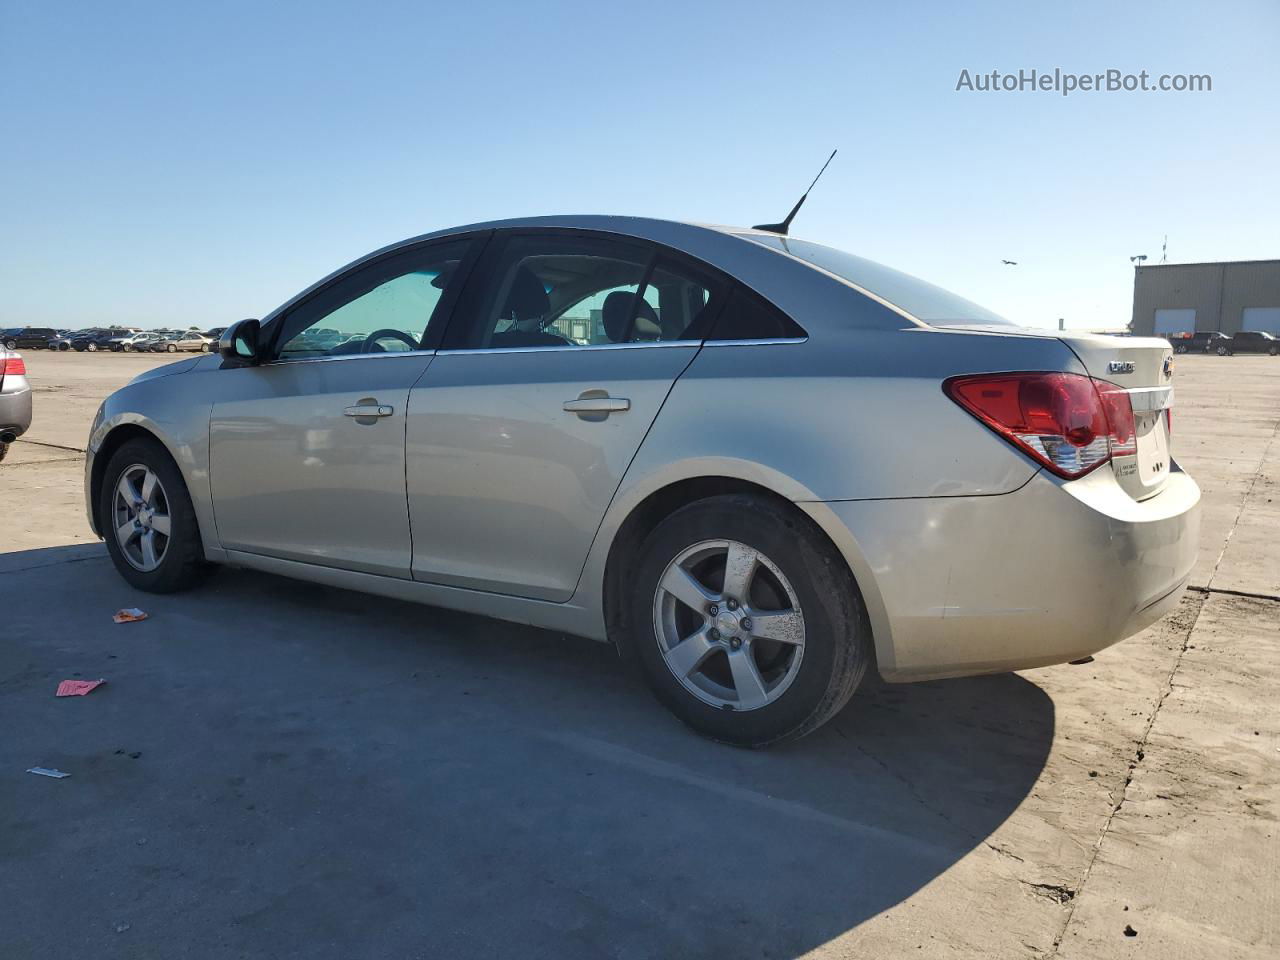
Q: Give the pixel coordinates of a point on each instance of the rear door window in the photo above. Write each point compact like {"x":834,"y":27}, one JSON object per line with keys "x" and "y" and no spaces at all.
{"x":555,"y":290}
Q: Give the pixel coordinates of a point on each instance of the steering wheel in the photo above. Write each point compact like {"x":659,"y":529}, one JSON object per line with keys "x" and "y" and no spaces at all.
{"x":373,"y":338}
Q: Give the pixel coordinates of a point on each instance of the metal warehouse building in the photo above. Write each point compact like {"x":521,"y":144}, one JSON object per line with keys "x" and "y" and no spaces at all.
{"x":1186,"y":297}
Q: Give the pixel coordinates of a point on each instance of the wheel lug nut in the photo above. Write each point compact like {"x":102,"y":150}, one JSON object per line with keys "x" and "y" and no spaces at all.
{"x":713,"y":633}
{"x":733,"y":604}
{"x":713,"y":609}
{"x":735,"y":643}
{"x":746,"y":623}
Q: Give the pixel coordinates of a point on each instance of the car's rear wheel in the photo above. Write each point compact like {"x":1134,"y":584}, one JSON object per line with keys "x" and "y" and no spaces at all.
{"x":204,"y":348}
{"x":11,"y":344}
{"x":172,"y":348}
{"x":92,"y":347}
{"x":1223,"y":351}
{"x":1179,"y":349}
{"x":146,"y":516}
{"x":745,"y":620}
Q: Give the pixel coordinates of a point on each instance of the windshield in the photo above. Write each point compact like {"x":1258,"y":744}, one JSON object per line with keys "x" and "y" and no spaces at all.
{"x":921,"y":300}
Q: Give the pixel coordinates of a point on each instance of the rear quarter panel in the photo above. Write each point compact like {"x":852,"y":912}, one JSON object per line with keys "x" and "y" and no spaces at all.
{"x":853,"y":415}
{"x":847,"y":415}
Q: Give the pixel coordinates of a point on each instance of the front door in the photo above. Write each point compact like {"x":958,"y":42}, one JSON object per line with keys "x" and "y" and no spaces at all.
{"x":307,"y":450}
{"x":553,"y":370}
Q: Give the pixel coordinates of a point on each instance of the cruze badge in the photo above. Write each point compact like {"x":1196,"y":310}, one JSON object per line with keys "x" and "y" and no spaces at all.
{"x":1120,"y":366}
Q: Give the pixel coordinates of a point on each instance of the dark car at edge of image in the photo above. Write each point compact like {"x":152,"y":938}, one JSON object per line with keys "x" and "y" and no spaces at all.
{"x":1250,"y":341}
{"x":30,"y":338}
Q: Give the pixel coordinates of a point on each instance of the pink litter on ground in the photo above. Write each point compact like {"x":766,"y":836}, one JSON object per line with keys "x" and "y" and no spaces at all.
{"x":77,"y":688}
{"x":129,"y":615}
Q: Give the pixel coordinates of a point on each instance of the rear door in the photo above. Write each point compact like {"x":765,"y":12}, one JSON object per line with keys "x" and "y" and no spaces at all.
{"x":553,"y":369}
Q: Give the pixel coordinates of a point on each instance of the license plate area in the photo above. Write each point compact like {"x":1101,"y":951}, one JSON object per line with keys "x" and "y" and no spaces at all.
{"x":1151,"y":430}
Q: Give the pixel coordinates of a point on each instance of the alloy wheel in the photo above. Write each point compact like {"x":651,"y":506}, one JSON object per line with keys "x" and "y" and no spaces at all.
{"x":729,"y":625}
{"x":140,"y":517}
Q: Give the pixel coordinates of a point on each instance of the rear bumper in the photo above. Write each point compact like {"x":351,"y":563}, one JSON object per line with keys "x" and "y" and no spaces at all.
{"x":15,"y":406}
{"x":1052,"y":572}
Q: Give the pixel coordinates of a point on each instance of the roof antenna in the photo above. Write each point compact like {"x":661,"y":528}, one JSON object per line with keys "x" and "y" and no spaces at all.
{"x":782,"y":228}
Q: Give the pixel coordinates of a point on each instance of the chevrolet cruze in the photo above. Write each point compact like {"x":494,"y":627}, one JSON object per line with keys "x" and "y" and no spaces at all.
{"x":759,"y":466}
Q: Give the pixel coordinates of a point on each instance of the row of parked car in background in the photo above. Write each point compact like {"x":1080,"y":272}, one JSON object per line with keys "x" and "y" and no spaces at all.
{"x":126,"y":339}
{"x":115,"y":339}
{"x":1214,"y":341}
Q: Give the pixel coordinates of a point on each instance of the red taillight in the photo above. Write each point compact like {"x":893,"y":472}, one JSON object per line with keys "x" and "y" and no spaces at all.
{"x":1070,"y":423}
{"x":13,"y":366}
{"x":1119,"y":411}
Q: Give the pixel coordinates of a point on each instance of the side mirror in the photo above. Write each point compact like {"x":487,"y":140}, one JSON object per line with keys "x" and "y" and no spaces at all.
{"x":242,"y":341}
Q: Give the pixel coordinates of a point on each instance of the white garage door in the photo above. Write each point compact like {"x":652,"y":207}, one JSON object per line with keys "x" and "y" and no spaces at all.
{"x":1262,"y":318}
{"x":1175,"y":321}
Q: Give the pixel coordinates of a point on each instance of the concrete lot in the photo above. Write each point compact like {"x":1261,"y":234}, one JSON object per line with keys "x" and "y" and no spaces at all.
{"x":277,"y":769}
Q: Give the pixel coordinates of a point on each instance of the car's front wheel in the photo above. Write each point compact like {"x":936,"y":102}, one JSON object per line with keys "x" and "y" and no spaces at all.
{"x":1180,"y":349}
{"x":1223,"y":351}
{"x":146,"y":516}
{"x":11,"y":344}
{"x":745,"y":620}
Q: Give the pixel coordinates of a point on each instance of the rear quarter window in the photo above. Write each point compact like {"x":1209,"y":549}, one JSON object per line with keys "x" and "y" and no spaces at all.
{"x":748,"y":316}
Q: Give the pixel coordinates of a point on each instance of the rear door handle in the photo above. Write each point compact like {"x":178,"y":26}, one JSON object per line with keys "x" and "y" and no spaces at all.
{"x":604,"y":405}
{"x":369,"y":410}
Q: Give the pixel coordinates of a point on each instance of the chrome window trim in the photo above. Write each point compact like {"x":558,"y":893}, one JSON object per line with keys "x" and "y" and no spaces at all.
{"x":580,"y":348}
{"x":590,"y":347}
{"x":771,"y":341}
{"x":353,"y":356}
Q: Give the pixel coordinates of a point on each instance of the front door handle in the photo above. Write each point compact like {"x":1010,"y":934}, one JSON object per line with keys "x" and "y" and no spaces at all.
{"x":368,"y":410}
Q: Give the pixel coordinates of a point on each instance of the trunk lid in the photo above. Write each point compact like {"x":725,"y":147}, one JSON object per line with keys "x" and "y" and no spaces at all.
{"x":1143,"y":368}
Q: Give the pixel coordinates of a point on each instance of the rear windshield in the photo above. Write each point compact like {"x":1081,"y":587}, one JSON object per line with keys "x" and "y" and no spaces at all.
{"x":921,"y":300}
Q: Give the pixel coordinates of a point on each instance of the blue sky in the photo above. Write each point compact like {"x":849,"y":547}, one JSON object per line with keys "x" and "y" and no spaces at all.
{"x":185,"y":163}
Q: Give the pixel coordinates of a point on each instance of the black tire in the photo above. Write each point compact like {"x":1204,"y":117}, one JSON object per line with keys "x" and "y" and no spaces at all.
{"x":837,"y":648}
{"x":4,"y":450}
{"x":171,"y":348}
{"x":11,"y":344}
{"x":1179,"y":349}
{"x":183,"y":565}
{"x":92,"y":347}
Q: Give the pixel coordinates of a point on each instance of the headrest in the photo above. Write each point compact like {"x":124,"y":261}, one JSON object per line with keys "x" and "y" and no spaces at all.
{"x":527,"y":298}
{"x":617,"y":312}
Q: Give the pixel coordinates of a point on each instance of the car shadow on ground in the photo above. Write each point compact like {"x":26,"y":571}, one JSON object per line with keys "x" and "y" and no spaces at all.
{"x":283,"y":769}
